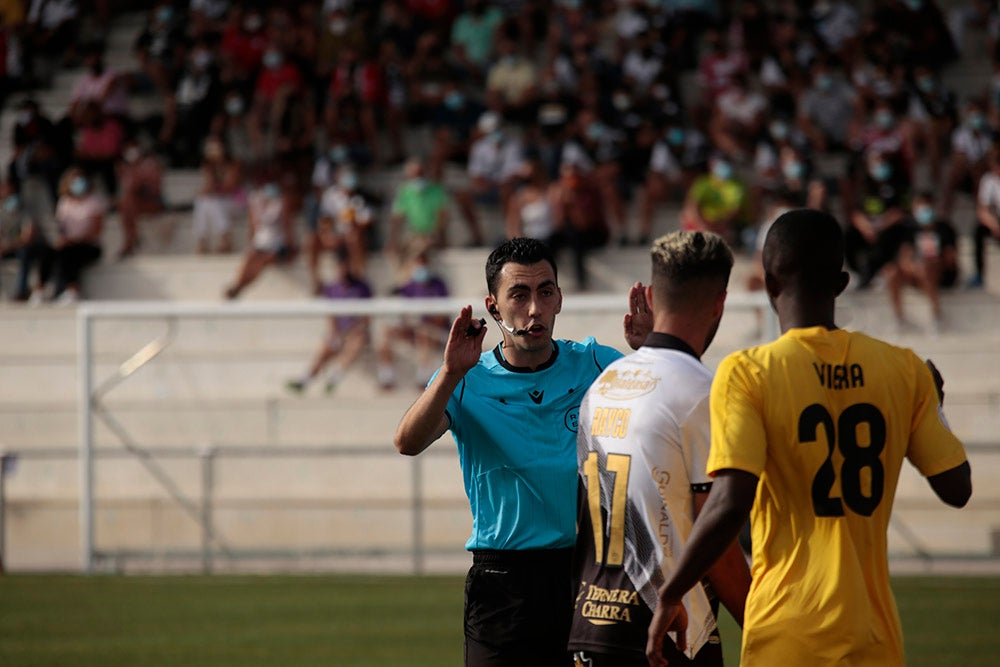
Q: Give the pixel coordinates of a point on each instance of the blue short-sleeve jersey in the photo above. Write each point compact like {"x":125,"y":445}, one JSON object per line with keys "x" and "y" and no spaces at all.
{"x":516,"y":435}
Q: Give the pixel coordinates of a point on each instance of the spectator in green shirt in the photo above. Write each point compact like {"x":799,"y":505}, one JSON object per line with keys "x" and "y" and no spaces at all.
{"x":473,"y":36}
{"x":419,"y":211}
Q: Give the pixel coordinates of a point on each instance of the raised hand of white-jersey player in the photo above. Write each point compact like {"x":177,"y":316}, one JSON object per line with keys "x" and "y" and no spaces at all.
{"x":638,"y":320}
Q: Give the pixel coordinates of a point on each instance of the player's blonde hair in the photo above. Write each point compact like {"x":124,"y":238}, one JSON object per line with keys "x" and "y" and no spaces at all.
{"x":689,"y":266}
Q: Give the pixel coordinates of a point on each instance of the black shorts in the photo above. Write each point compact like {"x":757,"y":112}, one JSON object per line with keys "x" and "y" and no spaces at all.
{"x":518,"y":608}
{"x":710,"y":655}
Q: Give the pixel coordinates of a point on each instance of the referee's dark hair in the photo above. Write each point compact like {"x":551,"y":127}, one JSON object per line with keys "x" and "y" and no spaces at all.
{"x":520,"y":250}
{"x":688,"y":268}
{"x":805,"y":248}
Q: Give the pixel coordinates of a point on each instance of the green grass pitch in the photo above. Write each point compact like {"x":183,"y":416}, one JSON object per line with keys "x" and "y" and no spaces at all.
{"x":359,"y":621}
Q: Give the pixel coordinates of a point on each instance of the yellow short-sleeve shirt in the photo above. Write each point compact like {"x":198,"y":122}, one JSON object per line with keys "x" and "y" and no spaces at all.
{"x":825,"y":418}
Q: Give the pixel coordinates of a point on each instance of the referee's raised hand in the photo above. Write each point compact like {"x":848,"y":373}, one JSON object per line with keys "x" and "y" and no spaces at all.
{"x":463,"y":350}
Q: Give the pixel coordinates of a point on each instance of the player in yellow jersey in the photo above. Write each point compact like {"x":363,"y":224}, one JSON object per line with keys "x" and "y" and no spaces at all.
{"x":809,"y":434}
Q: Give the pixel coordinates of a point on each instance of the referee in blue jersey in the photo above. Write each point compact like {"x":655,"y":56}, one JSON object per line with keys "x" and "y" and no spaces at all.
{"x":513,"y":413}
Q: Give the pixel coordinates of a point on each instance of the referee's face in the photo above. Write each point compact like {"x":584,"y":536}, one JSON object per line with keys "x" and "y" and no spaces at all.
{"x":528,"y":300}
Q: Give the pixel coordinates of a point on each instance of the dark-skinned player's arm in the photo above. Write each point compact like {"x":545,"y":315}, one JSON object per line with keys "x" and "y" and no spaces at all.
{"x":726,"y":510}
{"x":730,"y":575}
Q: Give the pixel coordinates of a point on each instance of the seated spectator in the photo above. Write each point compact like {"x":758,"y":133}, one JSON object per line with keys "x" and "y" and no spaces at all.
{"x":531,"y":211}
{"x":419,"y":210}
{"x":348,"y":335}
{"x":987,"y":214}
{"x":717,"y":201}
{"x":243,"y":41}
{"x":102,"y":85}
{"x":838,"y":24}
{"x":362,"y":84}
{"x":927,"y":259}
{"x":140,"y":177}
{"x":218,"y":199}
{"x":21,"y":237}
{"x":875,"y":232}
{"x":512,"y":80}
{"x":779,"y":134}
{"x":679,"y":156}
{"x":276,"y":90}
{"x":933,"y":112}
{"x":99,"y":143}
{"x":473,"y":36}
{"x":719,"y":63}
{"x":494,"y":159}
{"x":348,"y":215}
{"x":80,"y":215}
{"x":160,"y":47}
{"x":579,"y":214}
{"x":271,"y":212}
{"x":595,"y":148}
{"x":453,"y":127}
{"x":970,"y":145}
{"x":427,"y":334}
{"x":885,"y":133}
{"x":737,"y":118}
{"x":826,"y":110}
{"x":50,"y":36}
{"x":40,"y":149}
{"x":191,"y":106}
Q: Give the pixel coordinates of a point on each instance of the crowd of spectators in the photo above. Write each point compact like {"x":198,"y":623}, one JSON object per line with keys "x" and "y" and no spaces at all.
{"x":568,"y":118}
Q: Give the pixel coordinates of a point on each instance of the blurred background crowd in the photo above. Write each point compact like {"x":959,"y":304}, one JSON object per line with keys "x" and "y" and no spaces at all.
{"x":581,"y":122}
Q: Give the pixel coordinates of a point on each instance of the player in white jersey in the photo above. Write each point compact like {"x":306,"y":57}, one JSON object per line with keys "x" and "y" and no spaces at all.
{"x":642,"y":447}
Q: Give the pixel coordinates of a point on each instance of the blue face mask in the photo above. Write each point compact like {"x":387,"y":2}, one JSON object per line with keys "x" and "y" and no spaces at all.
{"x":793,"y":170}
{"x":271,"y":191}
{"x":337,"y":154}
{"x":11,"y":203}
{"x":421,"y":274}
{"x":595,"y":131}
{"x":978,"y":121}
{"x":722,"y":170}
{"x":924,"y":215}
{"x":925,"y":84}
{"x":881,"y":171}
{"x":675,"y":136}
{"x":454,"y":100}
{"x":779,"y":131}
{"x":78,"y":186}
{"x":824,"y":82}
{"x":884,"y":119}
{"x":349,"y":181}
{"x":272,"y":59}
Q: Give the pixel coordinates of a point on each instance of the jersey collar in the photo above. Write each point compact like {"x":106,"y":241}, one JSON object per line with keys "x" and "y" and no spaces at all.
{"x":524,"y":369}
{"x":670,"y":342}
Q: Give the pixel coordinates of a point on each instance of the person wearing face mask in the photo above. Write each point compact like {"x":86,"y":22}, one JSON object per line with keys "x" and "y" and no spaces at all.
{"x":874,"y":236}
{"x":780,"y":134}
{"x":276,"y":90}
{"x":271,"y":211}
{"x":157,"y":45}
{"x":827,"y":109}
{"x":80,"y":217}
{"x":969,"y":160}
{"x":678,"y":157}
{"x":512,"y":80}
{"x":927,"y":259}
{"x":717,"y":201}
{"x":494,"y":159}
{"x":933,"y":112}
{"x":140,"y":175}
{"x":737,"y":118}
{"x":348,"y":337}
{"x":473,"y":36}
{"x":23,"y":238}
{"x":100,"y":84}
{"x":348,"y":215}
{"x":419,"y":210}
{"x":216,"y":201}
{"x":426,"y":334}
{"x":189,"y":110}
